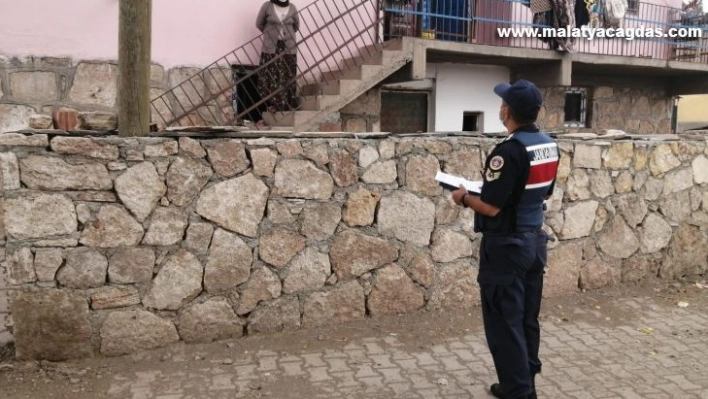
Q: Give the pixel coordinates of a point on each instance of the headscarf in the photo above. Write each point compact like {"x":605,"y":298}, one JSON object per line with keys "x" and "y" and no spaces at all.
{"x":281,"y":3}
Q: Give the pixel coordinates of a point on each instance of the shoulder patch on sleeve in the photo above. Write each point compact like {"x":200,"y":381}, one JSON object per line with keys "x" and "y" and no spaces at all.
{"x":496,"y":163}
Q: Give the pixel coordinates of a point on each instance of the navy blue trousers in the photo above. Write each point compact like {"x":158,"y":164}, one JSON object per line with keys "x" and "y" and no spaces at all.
{"x":511,"y":269}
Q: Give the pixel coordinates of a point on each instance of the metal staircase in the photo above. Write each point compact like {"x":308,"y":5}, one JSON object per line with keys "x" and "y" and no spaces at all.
{"x":341,"y":54}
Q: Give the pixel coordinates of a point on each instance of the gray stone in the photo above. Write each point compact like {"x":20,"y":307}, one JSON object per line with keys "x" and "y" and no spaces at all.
{"x":598,"y":274}
{"x":446,"y":211}
{"x":367,"y":156}
{"x":46,"y":263}
{"x":563,"y":272}
{"x":228,"y":264}
{"x":191,"y":147}
{"x":361,"y":207}
{"x":95,"y":84}
{"x":85,"y":268}
{"x":33,"y":86}
{"x":140,"y":188}
{"x":228,"y":158}
{"x":84,"y":146}
{"x":131,"y":265}
{"x":12,"y":118}
{"x":320,"y":222}
{"x":466,"y":162}
{"x":654,"y":234}
{"x":448,"y":245}
{"x":579,"y":220}
{"x":51,"y":325}
{"x":676,"y":207}
{"x":198,"y":238}
{"x":422,"y":270}
{"x":381,"y":173}
{"x":37,"y":215}
{"x":601,"y":183}
{"x":394,"y":292}
{"x":618,"y":240}
{"x":213,"y":320}
{"x":632,"y":208}
{"x":640,"y":178}
{"x":264,"y":160}
{"x":279,"y":245}
{"x":342,"y":166}
{"x":387,"y":149}
{"x":21,"y":267}
{"x":185,"y":179}
{"x":177,"y":283}
{"x":696,"y":198}
{"x":48,"y":173}
{"x":662,"y":160}
{"x":619,"y":155}
{"x":455,"y":287}
{"x":406,"y":217}
{"x":634,"y":269}
{"x":116,"y":166}
{"x":289,"y":148}
{"x":275,"y":316}
{"x":20,"y":140}
{"x":278,"y":213}
{"x":164,"y":149}
{"x":678,"y":180}
{"x":237,"y":204}
{"x":353,"y":253}
{"x":130,"y":331}
{"x":587,"y":156}
{"x":419,"y":173}
{"x":687,"y":253}
{"x":624,"y":183}
{"x":167,"y":227}
{"x":653,"y":188}
{"x":317,"y":153}
{"x":345,"y":302}
{"x":113,"y":227}
{"x":577,"y":187}
{"x":699,"y":166}
{"x":263,"y":285}
{"x":307,"y":272}
{"x":9,"y":171}
{"x":114,"y":297}
{"x":301,"y":179}
{"x":99,"y":121}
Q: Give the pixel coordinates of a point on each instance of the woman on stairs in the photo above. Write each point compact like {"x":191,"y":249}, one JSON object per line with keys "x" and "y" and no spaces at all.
{"x":279,"y":21}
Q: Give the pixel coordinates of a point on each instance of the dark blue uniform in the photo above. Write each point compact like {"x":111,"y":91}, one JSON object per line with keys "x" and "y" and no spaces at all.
{"x":519,"y":175}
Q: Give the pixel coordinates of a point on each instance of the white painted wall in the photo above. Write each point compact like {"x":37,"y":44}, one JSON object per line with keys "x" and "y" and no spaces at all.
{"x":460,"y":88}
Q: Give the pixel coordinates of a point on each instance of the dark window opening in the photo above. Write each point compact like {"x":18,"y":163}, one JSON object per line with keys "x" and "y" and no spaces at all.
{"x":245,"y":94}
{"x":472,"y":121}
{"x":575,"y":108}
{"x":632,"y":6}
{"x":404,"y":111}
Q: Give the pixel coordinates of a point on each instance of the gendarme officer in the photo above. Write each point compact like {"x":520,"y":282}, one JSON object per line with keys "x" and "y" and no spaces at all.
{"x":519,"y":174}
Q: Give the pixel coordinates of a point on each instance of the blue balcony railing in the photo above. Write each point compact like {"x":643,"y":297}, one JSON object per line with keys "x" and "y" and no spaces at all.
{"x":488,"y":21}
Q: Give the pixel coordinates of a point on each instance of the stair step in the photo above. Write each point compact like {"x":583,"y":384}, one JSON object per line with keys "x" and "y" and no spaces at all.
{"x":338,"y":87}
{"x":317,"y":103}
{"x":288,"y":119}
{"x":360,"y":72}
{"x":379,"y":58}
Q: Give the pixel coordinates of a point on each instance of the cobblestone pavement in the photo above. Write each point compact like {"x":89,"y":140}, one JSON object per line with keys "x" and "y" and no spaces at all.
{"x":648,"y":350}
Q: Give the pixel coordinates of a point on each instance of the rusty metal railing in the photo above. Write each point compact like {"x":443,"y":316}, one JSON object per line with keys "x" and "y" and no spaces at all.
{"x":334,"y":37}
{"x":486,"y":21}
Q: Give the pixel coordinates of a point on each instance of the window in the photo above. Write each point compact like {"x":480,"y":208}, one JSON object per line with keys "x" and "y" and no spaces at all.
{"x":633,"y":6}
{"x":404,"y":111}
{"x":472,"y":121}
{"x":575,"y":108}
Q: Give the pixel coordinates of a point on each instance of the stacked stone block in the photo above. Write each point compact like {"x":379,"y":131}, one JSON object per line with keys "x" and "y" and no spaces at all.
{"x":116,"y":245}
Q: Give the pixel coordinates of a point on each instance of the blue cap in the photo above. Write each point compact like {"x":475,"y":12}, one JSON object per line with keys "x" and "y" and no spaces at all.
{"x":523,"y":97}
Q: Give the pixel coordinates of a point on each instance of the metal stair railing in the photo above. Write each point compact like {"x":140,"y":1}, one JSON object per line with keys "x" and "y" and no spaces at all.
{"x":334,"y":37}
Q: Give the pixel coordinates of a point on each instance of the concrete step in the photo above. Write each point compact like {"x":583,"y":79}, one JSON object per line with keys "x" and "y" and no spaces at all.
{"x":287,"y":119}
{"x":340,"y":86}
{"x":379,"y":58}
{"x":317,"y":103}
{"x":361,"y":72}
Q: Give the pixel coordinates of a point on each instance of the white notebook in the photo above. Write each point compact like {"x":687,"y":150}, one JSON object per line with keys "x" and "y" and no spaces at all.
{"x":451,"y":182}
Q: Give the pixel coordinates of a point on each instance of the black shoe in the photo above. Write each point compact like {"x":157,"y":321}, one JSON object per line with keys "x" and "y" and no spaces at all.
{"x":496,"y":391}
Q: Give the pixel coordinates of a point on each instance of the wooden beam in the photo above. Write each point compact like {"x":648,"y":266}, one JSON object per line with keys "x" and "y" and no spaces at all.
{"x":134,"y":42}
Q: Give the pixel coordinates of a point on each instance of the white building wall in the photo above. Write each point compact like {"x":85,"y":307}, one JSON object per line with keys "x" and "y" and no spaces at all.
{"x":460,"y":88}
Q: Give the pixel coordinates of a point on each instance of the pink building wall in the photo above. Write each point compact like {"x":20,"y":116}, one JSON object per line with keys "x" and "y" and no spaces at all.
{"x":185,"y":32}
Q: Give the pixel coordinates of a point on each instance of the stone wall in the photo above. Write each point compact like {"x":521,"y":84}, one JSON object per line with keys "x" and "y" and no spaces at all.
{"x":637,"y":110}
{"x":116,"y":245}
